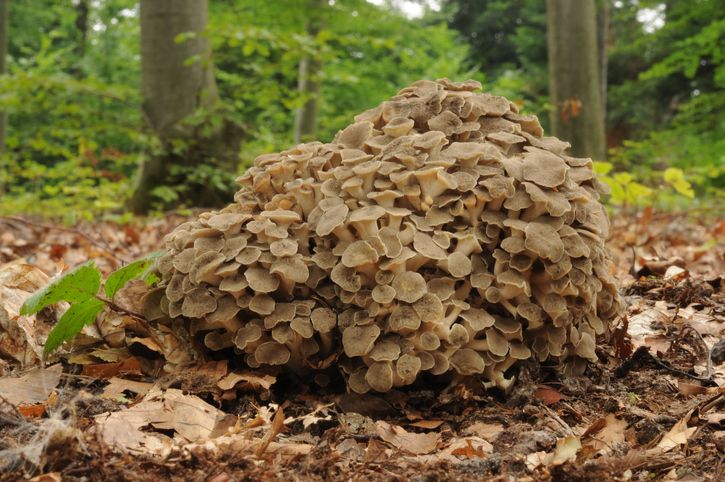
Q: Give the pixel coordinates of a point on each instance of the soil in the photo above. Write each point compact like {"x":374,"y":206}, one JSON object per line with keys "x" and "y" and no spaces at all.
{"x":652,"y":384}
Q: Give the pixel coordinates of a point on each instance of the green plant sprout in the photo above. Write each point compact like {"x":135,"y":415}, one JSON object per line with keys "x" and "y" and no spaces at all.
{"x":80,"y":287}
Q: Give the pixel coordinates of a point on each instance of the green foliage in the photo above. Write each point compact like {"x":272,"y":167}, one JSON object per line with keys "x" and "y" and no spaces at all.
{"x":76,"y":285}
{"x":80,"y":288}
{"x":137,"y":269}
{"x":76,"y":131}
{"x":72,"y":322}
{"x":625,"y":189}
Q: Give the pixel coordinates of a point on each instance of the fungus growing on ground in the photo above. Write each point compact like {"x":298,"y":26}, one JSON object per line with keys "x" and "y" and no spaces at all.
{"x":440,"y":232}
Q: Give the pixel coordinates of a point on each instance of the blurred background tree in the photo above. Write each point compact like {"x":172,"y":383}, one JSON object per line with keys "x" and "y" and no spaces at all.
{"x":82,"y":117}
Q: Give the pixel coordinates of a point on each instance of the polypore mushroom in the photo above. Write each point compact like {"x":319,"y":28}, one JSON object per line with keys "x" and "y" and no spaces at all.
{"x":440,"y":232}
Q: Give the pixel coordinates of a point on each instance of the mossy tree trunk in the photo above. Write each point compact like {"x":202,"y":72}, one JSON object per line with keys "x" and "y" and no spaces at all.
{"x":574,"y":76}
{"x":308,"y":85}
{"x":176,"y":81}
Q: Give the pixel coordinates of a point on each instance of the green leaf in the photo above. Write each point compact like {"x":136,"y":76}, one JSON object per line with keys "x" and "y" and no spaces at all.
{"x":76,"y":285}
{"x":138,"y":269}
{"x":602,"y":168}
{"x":72,"y":322}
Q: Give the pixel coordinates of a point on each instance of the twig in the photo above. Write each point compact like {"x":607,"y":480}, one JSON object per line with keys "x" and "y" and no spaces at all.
{"x":101,"y":245}
{"x":642,"y":352}
{"x":708,"y":350}
{"x":567,"y":429}
{"x":14,"y":410}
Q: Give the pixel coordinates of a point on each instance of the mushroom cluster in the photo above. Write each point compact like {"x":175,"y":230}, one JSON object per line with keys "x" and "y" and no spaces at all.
{"x":440,"y":232}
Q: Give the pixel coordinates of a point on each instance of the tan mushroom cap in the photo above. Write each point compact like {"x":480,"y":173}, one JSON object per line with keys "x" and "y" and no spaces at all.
{"x":198,"y":303}
{"x":544,"y":241}
{"x":544,"y":168}
{"x":380,"y":376}
{"x":261,"y":280}
{"x":409,"y":286}
{"x":272,"y":353}
{"x":359,"y":340}
{"x":359,"y":253}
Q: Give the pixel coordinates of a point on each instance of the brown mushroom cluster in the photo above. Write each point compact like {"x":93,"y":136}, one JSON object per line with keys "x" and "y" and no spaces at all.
{"x":441,"y":232}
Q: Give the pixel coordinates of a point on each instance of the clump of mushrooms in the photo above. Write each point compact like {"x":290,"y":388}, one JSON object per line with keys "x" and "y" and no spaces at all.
{"x":440,"y":232}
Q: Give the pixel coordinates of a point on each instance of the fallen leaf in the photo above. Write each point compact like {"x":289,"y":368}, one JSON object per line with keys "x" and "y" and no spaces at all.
{"x":34,"y":386}
{"x":566,"y":450}
{"x":427,"y":424}
{"x":32,"y":411}
{"x":49,"y":477}
{"x":275,"y":429}
{"x":678,"y":435}
{"x":414,"y":443}
{"x":487,"y":431}
{"x":676,"y":273}
{"x":690,"y":388}
{"x":103,"y":371}
{"x":548,"y":395}
{"x":22,"y":337}
{"x":536,"y":459}
{"x":187,"y":415}
{"x":470,"y":447}
{"x":319,"y":414}
{"x":247,"y":380}
{"x":116,"y":386}
{"x":609,"y":431}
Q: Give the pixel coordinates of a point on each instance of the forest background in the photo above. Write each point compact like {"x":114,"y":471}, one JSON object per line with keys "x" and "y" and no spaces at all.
{"x":109,"y":107}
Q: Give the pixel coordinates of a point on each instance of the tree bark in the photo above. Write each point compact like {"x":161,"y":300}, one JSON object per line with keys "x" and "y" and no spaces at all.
{"x":176,"y":80}
{"x":82,"y":11}
{"x":602,"y":42}
{"x":574,"y":76}
{"x":308,"y":83}
{"x":4,"y":39}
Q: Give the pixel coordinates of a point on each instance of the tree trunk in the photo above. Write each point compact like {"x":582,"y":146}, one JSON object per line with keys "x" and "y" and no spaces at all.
{"x":574,"y":76}
{"x":602,"y":42}
{"x":308,"y":83}
{"x":4,"y":39}
{"x":176,"y":80}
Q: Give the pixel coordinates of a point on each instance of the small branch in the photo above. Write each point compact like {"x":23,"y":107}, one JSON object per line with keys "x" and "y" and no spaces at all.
{"x":643,"y":352}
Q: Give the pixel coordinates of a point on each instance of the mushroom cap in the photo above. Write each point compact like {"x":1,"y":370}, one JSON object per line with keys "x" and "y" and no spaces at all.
{"x":544,"y":168}
{"x":359,"y":340}
{"x":409,"y":286}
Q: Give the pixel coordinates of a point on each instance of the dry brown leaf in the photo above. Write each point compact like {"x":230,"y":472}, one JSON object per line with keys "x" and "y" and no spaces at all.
{"x":246,"y":381}
{"x":116,"y":386}
{"x":470,"y":447}
{"x":22,"y":337}
{"x":690,"y":388}
{"x":34,"y":386}
{"x":129,"y":366}
{"x":275,"y":429}
{"x":319,"y":414}
{"x":187,"y":415}
{"x":49,"y":477}
{"x":608,"y":432}
{"x":487,"y":431}
{"x":548,"y":395}
{"x":427,"y":424}
{"x":240,"y":444}
{"x":414,"y":443}
{"x":678,"y":435}
{"x":566,"y":449}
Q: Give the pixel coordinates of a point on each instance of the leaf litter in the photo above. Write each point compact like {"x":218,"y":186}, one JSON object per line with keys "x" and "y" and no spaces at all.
{"x":656,"y":415}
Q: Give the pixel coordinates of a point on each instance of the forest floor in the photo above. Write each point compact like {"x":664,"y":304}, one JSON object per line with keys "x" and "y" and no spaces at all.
{"x":652,"y":409}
